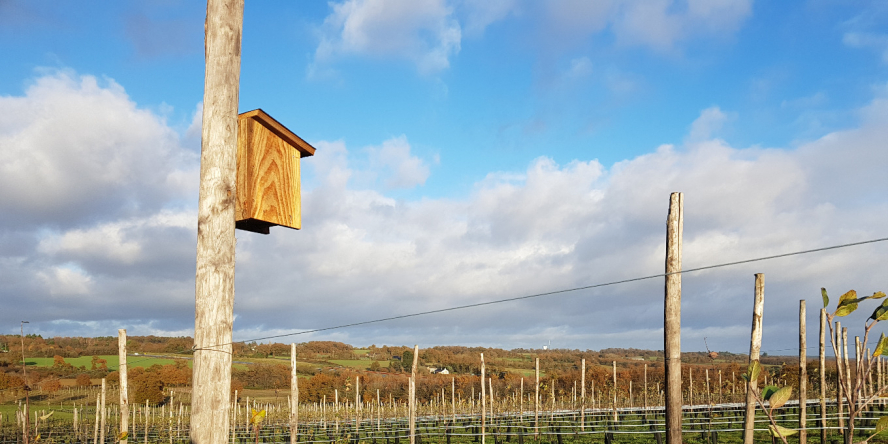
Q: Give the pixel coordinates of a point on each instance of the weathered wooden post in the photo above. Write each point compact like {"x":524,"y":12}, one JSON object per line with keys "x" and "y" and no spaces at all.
{"x":803,"y":374}
{"x":755,"y":347}
{"x":453,"y":399}
{"x":483,"y":402}
{"x":124,"y":399}
{"x":102,"y":426}
{"x":672,"y":318}
{"x":615,"y":393}
{"x":582,"y":396}
{"x":536,"y":402}
{"x":294,"y":397}
{"x":214,"y":280}
{"x":822,"y":375}
{"x":412,"y":406}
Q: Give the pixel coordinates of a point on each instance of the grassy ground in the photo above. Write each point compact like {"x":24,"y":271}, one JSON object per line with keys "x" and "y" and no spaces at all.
{"x":113,"y":361}
{"x":361,"y":364}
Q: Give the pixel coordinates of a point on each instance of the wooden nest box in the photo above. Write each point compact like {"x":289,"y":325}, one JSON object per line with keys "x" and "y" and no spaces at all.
{"x":268,"y":191}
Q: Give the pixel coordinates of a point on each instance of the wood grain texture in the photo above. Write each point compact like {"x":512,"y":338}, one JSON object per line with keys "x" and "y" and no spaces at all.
{"x":121,"y":370}
{"x":755,"y":348}
{"x":268,"y":173}
{"x":294,"y":397}
{"x":214,"y":279}
{"x":803,"y":374}
{"x":672,"y":318}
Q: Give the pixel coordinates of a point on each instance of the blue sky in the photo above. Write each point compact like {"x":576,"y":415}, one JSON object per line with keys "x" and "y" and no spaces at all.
{"x":467,"y":151}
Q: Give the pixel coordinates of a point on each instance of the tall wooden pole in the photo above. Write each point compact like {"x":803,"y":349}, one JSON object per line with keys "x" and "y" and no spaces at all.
{"x":582,"y":396}
{"x":121,"y":370}
{"x":672,"y":318}
{"x":755,"y":348}
{"x":214,"y":280}
{"x":103,"y":413}
{"x":803,"y":374}
{"x":822,"y":375}
{"x":413,"y":395}
{"x":483,"y":402}
{"x":294,"y":397}
{"x":536,"y":402}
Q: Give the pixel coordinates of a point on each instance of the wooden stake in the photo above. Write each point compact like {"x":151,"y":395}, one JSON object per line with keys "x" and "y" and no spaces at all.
{"x":102,"y":427}
{"x":121,"y":370}
{"x":453,"y":398}
{"x":583,"y":395}
{"x":413,"y":395}
{"x":96,"y":428}
{"x":294,"y":397}
{"x":536,"y":402}
{"x":672,"y":318}
{"x":840,"y":374}
{"x":822,"y":375}
{"x":755,"y":347}
{"x":803,"y":374}
{"x":483,"y":402}
{"x":214,"y":280}
{"x":615,"y":391}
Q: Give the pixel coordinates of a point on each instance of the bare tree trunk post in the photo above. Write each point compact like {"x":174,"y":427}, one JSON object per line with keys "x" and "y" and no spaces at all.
{"x":294,"y":397}
{"x":582,"y":396}
{"x":102,"y":408}
{"x":615,"y":393}
{"x":822,"y":375}
{"x":214,"y":280}
{"x":413,"y":395}
{"x":803,"y":374}
{"x":755,"y":347}
{"x":483,"y":401}
{"x":645,"y":391}
{"x":124,"y":399}
{"x":453,"y":399}
{"x":672,"y":318}
{"x":840,"y":373}
{"x":96,"y":425}
{"x":536,"y":402}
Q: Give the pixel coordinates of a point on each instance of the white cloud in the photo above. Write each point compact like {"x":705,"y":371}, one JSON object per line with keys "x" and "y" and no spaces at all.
{"x":403,"y":169}
{"x":75,"y":148}
{"x":579,"y":67}
{"x":657,"y":24}
{"x":481,"y":13}
{"x":65,"y":281}
{"x":707,"y":125}
{"x":879,"y":42}
{"x":363,"y":254}
{"x":423,"y":32}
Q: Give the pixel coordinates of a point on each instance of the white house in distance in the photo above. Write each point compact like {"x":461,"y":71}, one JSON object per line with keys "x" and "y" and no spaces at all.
{"x":438,"y":370}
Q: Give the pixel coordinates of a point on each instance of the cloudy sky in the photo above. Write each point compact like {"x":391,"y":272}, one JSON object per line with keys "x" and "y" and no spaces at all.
{"x":467,"y":151}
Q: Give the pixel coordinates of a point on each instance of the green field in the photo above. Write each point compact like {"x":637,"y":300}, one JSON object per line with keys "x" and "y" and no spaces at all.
{"x":361,"y":364}
{"x":113,"y":362}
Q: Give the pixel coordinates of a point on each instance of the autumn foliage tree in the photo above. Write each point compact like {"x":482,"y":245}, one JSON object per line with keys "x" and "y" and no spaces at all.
{"x":83,"y":380}
{"x":147,"y":386}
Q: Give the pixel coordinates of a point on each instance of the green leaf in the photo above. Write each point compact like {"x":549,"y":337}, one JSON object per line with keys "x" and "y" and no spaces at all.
{"x":778,"y":398}
{"x":847,"y":303}
{"x":768,"y":391}
{"x":881,"y":312}
{"x":882,"y":347}
{"x":825,"y":297}
{"x":46,"y":416}
{"x":882,"y":425}
{"x":745,"y":377}
{"x":783,"y":431}
{"x":753,"y":371}
{"x":122,"y":436}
